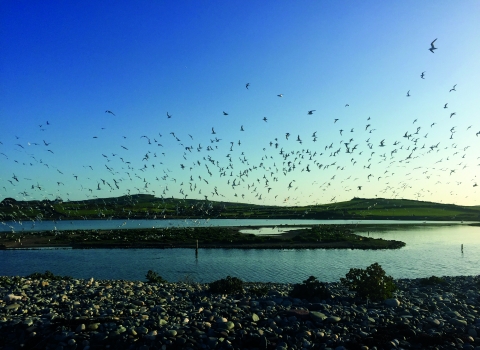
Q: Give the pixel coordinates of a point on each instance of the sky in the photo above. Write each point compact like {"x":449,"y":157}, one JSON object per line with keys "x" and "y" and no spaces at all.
{"x":87,"y":88}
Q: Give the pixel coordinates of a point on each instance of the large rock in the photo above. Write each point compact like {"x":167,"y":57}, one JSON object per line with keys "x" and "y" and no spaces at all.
{"x":317,"y":316}
{"x":12,"y":297}
{"x":333,"y":319}
{"x":458,"y":322}
{"x":392,"y":302}
{"x":298,"y":313}
{"x":472,"y":332}
{"x":14,"y":306}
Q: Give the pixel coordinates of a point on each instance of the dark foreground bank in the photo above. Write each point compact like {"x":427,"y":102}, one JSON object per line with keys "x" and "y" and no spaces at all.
{"x":87,"y":314}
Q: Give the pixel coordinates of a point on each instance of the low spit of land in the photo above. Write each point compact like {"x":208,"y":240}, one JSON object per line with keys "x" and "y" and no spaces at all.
{"x":318,"y":236}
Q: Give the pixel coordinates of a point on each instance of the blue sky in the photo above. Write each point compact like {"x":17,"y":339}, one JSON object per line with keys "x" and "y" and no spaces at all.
{"x":68,"y":63}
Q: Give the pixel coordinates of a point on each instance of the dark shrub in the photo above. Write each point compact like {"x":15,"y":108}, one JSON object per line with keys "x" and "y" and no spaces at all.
{"x":229,"y":285}
{"x":370,"y":283}
{"x":310,"y":289}
{"x":48,"y":276}
{"x":432,"y":280}
{"x":153,"y":277}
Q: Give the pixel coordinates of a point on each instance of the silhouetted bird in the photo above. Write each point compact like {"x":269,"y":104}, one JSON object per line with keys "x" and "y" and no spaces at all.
{"x":432,"y":47}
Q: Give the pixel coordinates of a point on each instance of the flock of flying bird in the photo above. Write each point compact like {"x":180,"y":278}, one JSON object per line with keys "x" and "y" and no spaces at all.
{"x":287,"y":169}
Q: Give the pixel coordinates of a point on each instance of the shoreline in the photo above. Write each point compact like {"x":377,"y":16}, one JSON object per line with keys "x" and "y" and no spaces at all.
{"x":86,"y":314}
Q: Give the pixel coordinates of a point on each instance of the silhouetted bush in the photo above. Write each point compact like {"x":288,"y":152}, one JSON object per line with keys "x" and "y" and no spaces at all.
{"x":370,"y":283}
{"x":48,"y":276}
{"x":229,"y":285}
{"x":153,"y":277}
{"x":432,"y":280}
{"x":310,"y":289}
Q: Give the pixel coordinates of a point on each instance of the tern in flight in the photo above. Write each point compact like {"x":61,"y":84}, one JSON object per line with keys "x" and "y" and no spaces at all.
{"x":107,"y":111}
{"x":280,"y":95}
{"x":432,"y":47}
{"x":453,"y":89}
{"x":408,"y":93}
{"x":225,"y":113}
{"x":311,"y":112}
{"x":247,"y":85}
{"x":422,"y":75}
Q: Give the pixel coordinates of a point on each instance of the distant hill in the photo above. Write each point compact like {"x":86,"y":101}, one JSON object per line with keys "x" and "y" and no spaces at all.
{"x":145,"y":206}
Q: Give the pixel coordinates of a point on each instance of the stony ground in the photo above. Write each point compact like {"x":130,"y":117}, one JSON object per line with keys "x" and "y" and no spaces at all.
{"x":106,"y":314}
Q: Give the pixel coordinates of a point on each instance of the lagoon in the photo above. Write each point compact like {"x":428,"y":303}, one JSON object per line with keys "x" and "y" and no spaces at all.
{"x":430,"y":250}
{"x":61,"y":225}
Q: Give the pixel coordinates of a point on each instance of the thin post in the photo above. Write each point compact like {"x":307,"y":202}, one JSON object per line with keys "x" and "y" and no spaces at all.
{"x":196,"y":249}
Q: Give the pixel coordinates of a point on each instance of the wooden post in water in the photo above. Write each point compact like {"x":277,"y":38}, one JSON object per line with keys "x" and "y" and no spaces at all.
{"x":196,"y":250}
{"x":462,"y":248}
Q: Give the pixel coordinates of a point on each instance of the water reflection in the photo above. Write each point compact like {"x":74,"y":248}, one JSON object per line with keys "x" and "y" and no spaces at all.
{"x":261,"y":231}
{"x":32,"y":226}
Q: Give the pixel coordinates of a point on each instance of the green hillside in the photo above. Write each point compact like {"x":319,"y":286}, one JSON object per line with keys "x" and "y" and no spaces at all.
{"x":144,"y":206}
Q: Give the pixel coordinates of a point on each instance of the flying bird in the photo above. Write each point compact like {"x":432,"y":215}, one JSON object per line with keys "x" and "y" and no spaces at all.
{"x":453,"y":89}
{"x":432,"y":47}
{"x":422,"y":75}
{"x":280,"y":95}
{"x":311,"y":112}
{"x":408,"y":93}
{"x":247,"y":85}
{"x":168,"y":115}
{"x":107,"y":111}
{"x":225,"y":113}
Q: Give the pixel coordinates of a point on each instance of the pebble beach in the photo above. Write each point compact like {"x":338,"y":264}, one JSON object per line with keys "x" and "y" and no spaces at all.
{"x":118,"y":314}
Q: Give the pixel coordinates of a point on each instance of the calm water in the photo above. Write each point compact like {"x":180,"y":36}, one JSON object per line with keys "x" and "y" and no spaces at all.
{"x":18,"y":226}
{"x":430,"y":250}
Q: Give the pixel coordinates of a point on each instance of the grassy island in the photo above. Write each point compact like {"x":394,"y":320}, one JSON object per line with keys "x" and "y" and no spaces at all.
{"x":319,"y":236}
